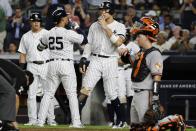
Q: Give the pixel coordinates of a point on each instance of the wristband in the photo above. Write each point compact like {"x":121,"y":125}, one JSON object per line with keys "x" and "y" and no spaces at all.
{"x":114,"y":38}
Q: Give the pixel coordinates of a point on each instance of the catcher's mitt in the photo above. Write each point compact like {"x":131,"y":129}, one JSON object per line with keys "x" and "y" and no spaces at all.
{"x":152,"y":115}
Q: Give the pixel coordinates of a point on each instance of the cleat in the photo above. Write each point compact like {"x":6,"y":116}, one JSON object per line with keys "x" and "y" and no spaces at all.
{"x":76,"y":126}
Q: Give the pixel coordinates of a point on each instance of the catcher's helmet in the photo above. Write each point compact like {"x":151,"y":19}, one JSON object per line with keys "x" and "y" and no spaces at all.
{"x":36,"y":16}
{"x":58,"y":14}
{"x":146,"y":26}
{"x":107,"y":5}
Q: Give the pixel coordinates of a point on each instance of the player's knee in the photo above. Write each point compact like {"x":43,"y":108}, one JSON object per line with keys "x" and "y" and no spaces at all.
{"x":123,"y":99}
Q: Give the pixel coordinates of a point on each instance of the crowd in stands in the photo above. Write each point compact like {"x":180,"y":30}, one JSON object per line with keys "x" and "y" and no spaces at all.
{"x":177,"y":19}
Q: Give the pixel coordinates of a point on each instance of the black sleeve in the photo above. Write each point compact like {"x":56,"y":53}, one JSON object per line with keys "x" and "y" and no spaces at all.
{"x":79,"y":31}
{"x":14,"y":71}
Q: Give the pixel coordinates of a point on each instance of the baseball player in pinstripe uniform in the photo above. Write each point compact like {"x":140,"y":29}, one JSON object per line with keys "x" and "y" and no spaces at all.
{"x":36,"y":63}
{"x":147,"y":71}
{"x":61,"y":66}
{"x":125,"y":91}
{"x":104,"y":37}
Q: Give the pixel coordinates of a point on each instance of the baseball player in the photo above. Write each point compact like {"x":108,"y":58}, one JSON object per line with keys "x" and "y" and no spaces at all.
{"x":104,"y":36}
{"x":61,"y":66}
{"x":147,"y":71}
{"x":125,"y":91}
{"x":37,"y":64}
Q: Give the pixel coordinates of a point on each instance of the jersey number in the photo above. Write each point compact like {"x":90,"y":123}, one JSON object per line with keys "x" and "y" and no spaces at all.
{"x":58,"y":41}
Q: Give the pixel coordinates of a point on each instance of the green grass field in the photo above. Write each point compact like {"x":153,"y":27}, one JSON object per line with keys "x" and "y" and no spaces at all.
{"x":88,"y":127}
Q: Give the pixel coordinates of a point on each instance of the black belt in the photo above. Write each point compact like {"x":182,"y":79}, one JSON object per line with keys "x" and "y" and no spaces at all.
{"x":103,"y":56}
{"x":60,"y":59}
{"x":39,"y":62}
{"x":139,"y":90}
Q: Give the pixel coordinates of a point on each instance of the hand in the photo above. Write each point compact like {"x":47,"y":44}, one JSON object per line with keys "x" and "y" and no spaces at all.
{"x":123,"y":51}
{"x":102,"y":22}
{"x":74,"y":25}
{"x":83,"y":65}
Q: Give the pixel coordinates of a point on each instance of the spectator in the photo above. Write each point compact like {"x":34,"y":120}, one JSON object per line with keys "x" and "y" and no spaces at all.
{"x":5,"y":12}
{"x":152,"y":14}
{"x":193,"y":36}
{"x":12,"y":48}
{"x":122,"y":4}
{"x":130,"y":16}
{"x":94,"y":4}
{"x":37,"y":6}
{"x":162,"y":43}
{"x":188,"y":11}
{"x":17,"y":26}
{"x":87,"y":23}
{"x":79,"y":11}
{"x":164,"y":11}
{"x":182,"y":44}
{"x":167,"y":23}
{"x":175,"y":34}
{"x":69,"y":10}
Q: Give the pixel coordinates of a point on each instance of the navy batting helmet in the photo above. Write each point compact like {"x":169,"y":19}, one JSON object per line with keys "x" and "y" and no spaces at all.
{"x":58,"y":14}
{"x":36,"y":16}
{"x":108,"y":6}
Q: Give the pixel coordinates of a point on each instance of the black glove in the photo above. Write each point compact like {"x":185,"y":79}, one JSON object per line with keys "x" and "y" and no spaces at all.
{"x":83,"y":63}
{"x":22,"y":65}
{"x":125,"y":59}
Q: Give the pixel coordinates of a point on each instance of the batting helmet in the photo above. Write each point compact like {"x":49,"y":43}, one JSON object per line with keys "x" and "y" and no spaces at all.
{"x":108,"y":6}
{"x":146,"y":26}
{"x":58,"y":14}
{"x":36,"y":16}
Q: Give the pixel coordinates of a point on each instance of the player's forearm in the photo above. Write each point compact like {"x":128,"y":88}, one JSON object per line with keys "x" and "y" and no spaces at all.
{"x":87,"y":51}
{"x":115,"y":39}
{"x":22,"y":58}
{"x":22,"y":61}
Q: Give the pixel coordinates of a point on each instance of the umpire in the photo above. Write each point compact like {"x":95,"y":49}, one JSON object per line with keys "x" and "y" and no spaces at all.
{"x":13,"y":80}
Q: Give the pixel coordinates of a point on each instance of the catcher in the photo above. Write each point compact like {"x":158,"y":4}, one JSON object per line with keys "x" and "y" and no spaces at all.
{"x":146,"y":112}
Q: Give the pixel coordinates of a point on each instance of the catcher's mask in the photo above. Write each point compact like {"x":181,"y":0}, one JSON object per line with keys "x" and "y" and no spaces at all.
{"x":108,"y":6}
{"x":146,"y":26}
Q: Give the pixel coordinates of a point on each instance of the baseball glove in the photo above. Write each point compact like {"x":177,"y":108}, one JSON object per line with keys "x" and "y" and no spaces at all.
{"x":126,"y":58}
{"x":153,"y":114}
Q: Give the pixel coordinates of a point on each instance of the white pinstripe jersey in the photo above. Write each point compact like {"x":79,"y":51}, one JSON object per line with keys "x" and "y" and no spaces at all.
{"x":100,"y":42}
{"x":60,"y":42}
{"x":28,"y":46}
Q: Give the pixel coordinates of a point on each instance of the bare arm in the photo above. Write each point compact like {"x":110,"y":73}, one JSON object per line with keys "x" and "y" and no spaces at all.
{"x":22,"y":58}
{"x":116,"y":40}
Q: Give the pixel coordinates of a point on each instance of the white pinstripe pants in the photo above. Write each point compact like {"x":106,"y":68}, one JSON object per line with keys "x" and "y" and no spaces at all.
{"x":61,"y":71}
{"x":107,"y":68}
{"x":31,"y":101}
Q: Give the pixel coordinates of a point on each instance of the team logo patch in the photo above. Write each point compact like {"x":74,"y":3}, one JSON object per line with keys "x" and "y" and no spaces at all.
{"x":158,"y":66}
